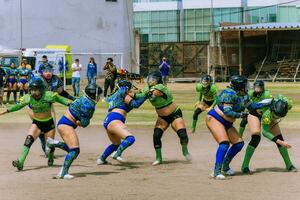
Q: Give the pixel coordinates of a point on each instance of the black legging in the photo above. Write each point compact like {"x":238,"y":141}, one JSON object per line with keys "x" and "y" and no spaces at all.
{"x":108,"y":83}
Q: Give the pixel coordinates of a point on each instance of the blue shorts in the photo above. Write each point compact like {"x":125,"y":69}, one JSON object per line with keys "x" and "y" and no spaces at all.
{"x":111,"y":117}
{"x":215,"y":115}
{"x":66,"y":121}
{"x":12,"y":80}
{"x":23,"y":81}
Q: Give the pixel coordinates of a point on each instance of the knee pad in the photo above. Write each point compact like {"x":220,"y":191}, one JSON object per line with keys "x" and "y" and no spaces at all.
{"x":196,"y":113}
{"x":182,"y":134}
{"x":255,"y":139}
{"x":75,"y":151}
{"x":157,"y":137}
{"x":244,"y":122}
{"x":29,"y":141}
{"x":130,"y":139}
{"x":278,"y":137}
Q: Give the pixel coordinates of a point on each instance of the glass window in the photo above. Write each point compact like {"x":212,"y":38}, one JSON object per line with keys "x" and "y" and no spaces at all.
{"x":189,"y":36}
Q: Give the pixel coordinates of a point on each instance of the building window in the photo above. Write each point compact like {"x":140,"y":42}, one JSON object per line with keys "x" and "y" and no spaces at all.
{"x":111,"y":0}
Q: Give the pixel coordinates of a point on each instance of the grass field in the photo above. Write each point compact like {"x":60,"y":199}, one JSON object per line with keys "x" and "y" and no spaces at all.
{"x":138,"y":180}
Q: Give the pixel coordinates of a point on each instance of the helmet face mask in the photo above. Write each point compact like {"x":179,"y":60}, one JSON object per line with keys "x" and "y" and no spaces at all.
{"x":154,"y":78}
{"x":93,"y":91}
{"x":37,"y":88}
{"x":259,"y":88}
{"x":239,"y":84}
{"x":125,"y":83}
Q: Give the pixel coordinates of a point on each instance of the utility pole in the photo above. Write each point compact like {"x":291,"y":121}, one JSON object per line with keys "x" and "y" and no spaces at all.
{"x":21,"y":25}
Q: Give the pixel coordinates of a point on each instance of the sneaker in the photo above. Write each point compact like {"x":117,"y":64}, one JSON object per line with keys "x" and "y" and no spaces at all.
{"x":229,"y":172}
{"x":218,"y":177}
{"x":120,"y":159}
{"x":247,"y":171}
{"x":113,"y":154}
{"x":157,"y":162}
{"x":51,"y":142}
{"x":292,"y":169}
{"x":66,"y":177}
{"x":188,"y":157}
{"x":101,"y":162}
{"x":17,"y":164}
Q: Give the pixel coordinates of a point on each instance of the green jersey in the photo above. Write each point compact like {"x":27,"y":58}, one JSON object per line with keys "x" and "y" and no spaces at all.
{"x":160,"y":101}
{"x":43,"y":105}
{"x":256,"y":99}
{"x":268,"y":117}
{"x":207,"y":95}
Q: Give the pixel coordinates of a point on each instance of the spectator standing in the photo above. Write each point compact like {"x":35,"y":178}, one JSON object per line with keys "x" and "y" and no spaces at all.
{"x":110,"y":77}
{"x":76,"y":67}
{"x":2,"y":81}
{"x":164,"y":68}
{"x":92,"y":71}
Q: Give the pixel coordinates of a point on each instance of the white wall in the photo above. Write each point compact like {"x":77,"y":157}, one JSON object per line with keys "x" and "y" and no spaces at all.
{"x":88,"y":26}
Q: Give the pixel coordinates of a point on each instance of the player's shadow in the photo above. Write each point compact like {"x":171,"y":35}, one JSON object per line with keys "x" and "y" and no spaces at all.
{"x":272,"y":169}
{"x":169,"y":162}
{"x":130,"y":165}
{"x":261,"y":170}
{"x":96,"y":173}
{"x":45,"y":166}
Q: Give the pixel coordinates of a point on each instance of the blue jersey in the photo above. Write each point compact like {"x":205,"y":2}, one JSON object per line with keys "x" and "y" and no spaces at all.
{"x":117,"y":100}
{"x":82,"y":109}
{"x":12,"y":72}
{"x":237,"y":103}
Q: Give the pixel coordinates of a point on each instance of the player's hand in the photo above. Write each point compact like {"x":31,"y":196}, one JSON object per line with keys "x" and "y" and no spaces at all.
{"x":78,"y":123}
{"x":244,"y":115}
{"x":283,"y":144}
{"x":208,"y":109}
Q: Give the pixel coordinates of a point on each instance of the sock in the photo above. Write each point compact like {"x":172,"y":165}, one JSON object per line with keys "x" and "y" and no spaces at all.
{"x":27,"y":144}
{"x":241,"y":131}
{"x":8,"y":96}
{"x":248,"y":155}
{"x":221,"y":152}
{"x":21,"y":93}
{"x":111,"y":148}
{"x":24,"y":154}
{"x":185,"y":150}
{"x":194,"y":124}
{"x":70,"y":157}
{"x":234,"y":149}
{"x":158,"y":154}
{"x":129,"y":140}
{"x":15,"y":96}
{"x":285,"y":155}
{"x":43,"y":142}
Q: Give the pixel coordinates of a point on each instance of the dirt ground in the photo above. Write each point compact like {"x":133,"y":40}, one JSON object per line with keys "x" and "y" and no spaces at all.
{"x":175,"y":179}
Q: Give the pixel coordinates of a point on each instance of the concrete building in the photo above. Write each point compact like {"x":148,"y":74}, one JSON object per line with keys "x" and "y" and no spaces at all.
{"x":88,"y":26}
{"x":192,"y":20}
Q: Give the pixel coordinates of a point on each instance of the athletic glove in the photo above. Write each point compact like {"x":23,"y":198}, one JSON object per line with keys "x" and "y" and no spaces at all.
{"x":244,"y":115}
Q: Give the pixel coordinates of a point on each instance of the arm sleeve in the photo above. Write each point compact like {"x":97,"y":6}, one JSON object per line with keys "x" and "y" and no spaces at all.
{"x":67,"y":95}
{"x":266,"y":133}
{"x":135,"y":103}
{"x":24,"y":101}
{"x":228,"y":111}
{"x":61,"y":100}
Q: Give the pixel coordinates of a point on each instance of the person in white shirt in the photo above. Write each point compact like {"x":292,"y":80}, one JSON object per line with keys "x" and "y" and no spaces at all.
{"x":76,"y":67}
